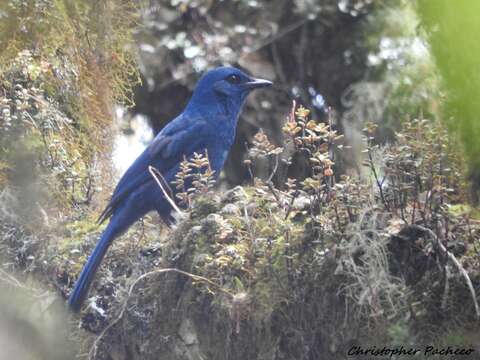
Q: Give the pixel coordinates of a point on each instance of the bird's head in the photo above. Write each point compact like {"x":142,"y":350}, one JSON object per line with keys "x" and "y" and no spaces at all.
{"x":226,"y":86}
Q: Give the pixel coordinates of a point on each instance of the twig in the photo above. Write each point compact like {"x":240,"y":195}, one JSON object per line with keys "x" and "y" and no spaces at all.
{"x":446,"y":289}
{"x":94,"y":349}
{"x":249,"y":163}
{"x":156,"y":175}
{"x":286,"y":30}
{"x":274,"y":193}
{"x":10,"y":279}
{"x":455,"y":261}
{"x":467,"y":280}
{"x":290,"y":205}
{"x":379,"y":184}
{"x":275,"y":168}
{"x":262,"y":44}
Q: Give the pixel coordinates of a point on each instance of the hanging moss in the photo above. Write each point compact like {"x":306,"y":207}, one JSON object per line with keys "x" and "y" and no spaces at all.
{"x":63,"y":65}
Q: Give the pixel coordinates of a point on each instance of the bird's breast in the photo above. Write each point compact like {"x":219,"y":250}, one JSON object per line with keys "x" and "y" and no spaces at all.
{"x":221,"y":137}
{"x":217,"y":157}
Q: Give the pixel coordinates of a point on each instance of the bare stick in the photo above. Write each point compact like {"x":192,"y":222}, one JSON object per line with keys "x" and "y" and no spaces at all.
{"x":467,"y":280}
{"x":275,"y":168}
{"x":379,"y":184}
{"x":446,"y":289}
{"x":156,"y":175}
{"x":455,"y":261}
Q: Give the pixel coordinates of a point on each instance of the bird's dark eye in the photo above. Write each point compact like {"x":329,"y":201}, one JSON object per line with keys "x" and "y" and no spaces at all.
{"x":234,"y":79}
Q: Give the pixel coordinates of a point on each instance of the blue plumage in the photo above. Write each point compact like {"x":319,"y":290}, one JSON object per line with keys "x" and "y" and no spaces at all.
{"x":207,"y":123}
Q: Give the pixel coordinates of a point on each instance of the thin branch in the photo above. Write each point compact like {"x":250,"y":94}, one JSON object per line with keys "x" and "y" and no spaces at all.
{"x":437,"y":243}
{"x":275,"y":168}
{"x":262,"y":44}
{"x":274,"y":193}
{"x":290,"y":205}
{"x":157,"y":176}
{"x":467,"y":280}
{"x":379,"y":185}
{"x":446,"y":288}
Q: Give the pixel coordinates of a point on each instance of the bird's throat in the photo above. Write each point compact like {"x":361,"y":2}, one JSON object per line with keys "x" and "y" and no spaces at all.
{"x":231,"y":107}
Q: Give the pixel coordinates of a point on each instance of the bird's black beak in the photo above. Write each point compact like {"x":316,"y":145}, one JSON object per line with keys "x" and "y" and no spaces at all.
{"x":256,"y":83}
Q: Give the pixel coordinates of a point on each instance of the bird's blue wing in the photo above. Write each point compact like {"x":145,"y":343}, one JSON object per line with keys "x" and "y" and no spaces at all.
{"x":179,"y":138}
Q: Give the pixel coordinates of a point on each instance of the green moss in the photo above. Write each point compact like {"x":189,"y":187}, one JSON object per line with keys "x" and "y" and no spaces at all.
{"x":460,"y":337}
{"x":204,"y":206}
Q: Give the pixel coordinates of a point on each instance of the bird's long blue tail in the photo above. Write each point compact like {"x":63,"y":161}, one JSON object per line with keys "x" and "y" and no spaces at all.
{"x":88,"y":273}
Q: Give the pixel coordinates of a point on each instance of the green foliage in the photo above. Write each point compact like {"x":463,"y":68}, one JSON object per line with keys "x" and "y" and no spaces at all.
{"x":308,"y":265}
{"x":452,"y":30}
{"x":195,"y":176}
{"x":91,"y":35}
{"x":402,"y":80}
{"x":63,"y":64}
{"x":274,"y":244}
{"x":38,"y":139}
{"x":422,"y":175}
{"x":29,"y":322}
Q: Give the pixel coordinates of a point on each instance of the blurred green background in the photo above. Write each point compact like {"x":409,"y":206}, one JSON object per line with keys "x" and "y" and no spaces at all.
{"x":85,"y":84}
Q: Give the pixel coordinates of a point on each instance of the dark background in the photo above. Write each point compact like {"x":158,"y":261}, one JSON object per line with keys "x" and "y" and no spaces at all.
{"x":313,"y":51}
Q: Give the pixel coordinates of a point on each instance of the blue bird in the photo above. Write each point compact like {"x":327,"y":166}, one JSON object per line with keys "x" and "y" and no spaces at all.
{"x":207,"y":125}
